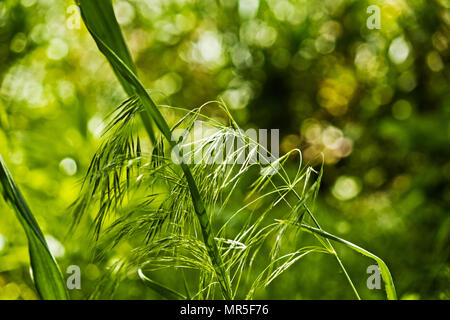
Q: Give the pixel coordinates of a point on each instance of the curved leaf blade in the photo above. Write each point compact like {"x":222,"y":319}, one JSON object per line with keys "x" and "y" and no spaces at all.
{"x":164,"y":291}
{"x":385,"y":273}
{"x":47,"y":276}
{"x":97,"y":15}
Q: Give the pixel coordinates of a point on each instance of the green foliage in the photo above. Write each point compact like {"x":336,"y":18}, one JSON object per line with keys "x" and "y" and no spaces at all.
{"x":152,"y":202}
{"x":161,"y":289}
{"x":153,"y":113}
{"x":46,"y":274}
{"x":390,"y":289}
{"x":217,"y":263}
{"x":374,"y":102}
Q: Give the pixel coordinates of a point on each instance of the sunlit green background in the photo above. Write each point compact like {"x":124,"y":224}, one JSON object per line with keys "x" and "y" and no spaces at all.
{"x":375,"y":102}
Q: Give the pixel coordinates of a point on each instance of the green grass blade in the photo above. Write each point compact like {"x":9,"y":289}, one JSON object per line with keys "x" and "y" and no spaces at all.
{"x":97,"y":14}
{"x":186,"y":287}
{"x":385,"y":273}
{"x":127,"y":73}
{"x":164,"y":291}
{"x":341,"y":264}
{"x":47,"y":276}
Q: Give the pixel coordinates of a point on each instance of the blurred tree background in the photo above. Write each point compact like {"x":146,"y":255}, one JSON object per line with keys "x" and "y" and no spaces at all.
{"x":376,"y":102}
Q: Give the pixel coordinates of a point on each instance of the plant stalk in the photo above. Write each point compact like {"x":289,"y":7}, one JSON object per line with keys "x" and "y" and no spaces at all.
{"x":100,"y":15}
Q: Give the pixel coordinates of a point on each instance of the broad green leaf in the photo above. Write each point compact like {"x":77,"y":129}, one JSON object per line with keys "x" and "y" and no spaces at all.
{"x":385,"y":273}
{"x":46,"y":274}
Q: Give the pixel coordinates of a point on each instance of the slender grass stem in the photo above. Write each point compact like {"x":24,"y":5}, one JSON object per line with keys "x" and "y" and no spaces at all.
{"x":93,"y":14}
{"x":385,"y":273}
{"x":336,"y":255}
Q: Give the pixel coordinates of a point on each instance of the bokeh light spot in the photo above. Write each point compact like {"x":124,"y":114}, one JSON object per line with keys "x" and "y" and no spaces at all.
{"x":346,"y":188}
{"x":398,"y":50}
{"x":69,"y":166}
{"x":57,"y":49}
